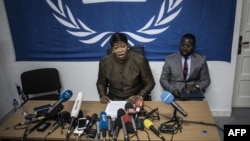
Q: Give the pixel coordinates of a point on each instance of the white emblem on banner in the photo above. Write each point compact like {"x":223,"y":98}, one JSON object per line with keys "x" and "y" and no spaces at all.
{"x":151,"y":28}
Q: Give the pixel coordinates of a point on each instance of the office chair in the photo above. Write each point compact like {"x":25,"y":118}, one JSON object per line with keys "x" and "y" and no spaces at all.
{"x":41,"y":84}
{"x":139,"y":50}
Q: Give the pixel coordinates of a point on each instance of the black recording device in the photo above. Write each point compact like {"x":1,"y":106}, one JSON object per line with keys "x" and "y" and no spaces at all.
{"x":166,"y":129}
{"x":142,"y":113}
{"x":92,"y":133}
{"x":42,"y":110}
{"x":139,"y":123}
{"x":43,"y":126}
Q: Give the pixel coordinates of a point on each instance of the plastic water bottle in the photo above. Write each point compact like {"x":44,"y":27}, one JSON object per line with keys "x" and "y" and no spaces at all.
{"x":15,"y":104}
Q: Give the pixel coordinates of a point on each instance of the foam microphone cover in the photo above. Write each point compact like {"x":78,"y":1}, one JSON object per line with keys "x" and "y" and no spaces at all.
{"x":128,"y":123}
{"x":167,"y":97}
{"x":64,"y":96}
{"x":120,"y":112}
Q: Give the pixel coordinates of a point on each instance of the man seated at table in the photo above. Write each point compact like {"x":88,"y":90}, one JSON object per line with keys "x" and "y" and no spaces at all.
{"x":185,"y":71}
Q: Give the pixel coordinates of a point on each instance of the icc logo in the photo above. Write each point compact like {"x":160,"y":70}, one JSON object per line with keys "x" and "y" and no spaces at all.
{"x":157,"y":24}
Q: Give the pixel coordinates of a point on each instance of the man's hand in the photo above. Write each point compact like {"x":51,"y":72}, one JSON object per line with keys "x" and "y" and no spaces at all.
{"x":191,"y":88}
{"x":104,"y":99}
{"x":176,"y":93}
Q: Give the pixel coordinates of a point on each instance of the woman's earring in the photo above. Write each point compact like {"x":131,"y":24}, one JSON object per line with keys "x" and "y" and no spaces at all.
{"x":128,"y":48}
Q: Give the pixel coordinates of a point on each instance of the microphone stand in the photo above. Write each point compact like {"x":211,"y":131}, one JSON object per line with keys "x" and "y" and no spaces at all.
{"x":176,"y":120}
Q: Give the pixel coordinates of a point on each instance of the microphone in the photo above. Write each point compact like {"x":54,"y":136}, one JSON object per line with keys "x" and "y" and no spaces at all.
{"x":33,"y":120}
{"x":75,"y":111}
{"x":91,"y":122}
{"x":121,"y":114}
{"x":118,"y":123}
{"x":128,"y":123}
{"x":131,"y":112}
{"x":64,"y":96}
{"x":28,"y":131}
{"x":103,"y":123}
{"x":130,"y":108}
{"x":168,"y":98}
{"x":109,"y":125}
{"x":149,"y":125}
{"x":55,"y":126}
{"x":98,"y":128}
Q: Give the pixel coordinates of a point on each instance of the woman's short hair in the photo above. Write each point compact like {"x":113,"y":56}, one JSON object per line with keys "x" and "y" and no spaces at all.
{"x":117,"y":37}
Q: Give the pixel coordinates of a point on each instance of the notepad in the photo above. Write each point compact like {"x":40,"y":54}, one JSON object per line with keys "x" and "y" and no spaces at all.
{"x":113,"y":107}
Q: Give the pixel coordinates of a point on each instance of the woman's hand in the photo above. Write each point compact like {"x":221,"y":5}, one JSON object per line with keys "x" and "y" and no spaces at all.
{"x":133,"y":99}
{"x":104,"y":99}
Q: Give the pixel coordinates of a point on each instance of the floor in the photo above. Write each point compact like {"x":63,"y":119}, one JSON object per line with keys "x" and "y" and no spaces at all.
{"x":239,"y":116}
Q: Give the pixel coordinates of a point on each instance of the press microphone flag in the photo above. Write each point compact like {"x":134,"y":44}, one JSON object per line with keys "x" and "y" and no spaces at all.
{"x":130,"y":108}
{"x":64,"y":96}
{"x":131,"y":112}
{"x":168,"y":98}
{"x":103,"y":121}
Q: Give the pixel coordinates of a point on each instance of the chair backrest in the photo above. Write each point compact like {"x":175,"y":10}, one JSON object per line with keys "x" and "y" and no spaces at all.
{"x":137,"y":49}
{"x":40,"y":81}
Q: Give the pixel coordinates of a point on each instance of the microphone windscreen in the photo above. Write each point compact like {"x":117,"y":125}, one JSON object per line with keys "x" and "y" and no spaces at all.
{"x":66,"y":95}
{"x":130,"y":108}
{"x":129,"y":105}
{"x":126,"y":118}
{"x":167,"y":97}
{"x":120,"y":113}
{"x":147,"y":123}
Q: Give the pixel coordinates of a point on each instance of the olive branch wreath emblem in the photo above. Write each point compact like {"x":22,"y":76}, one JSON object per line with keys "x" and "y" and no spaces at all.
{"x":78,"y":28}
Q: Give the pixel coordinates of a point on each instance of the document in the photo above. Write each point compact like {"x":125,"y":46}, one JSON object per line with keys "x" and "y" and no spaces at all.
{"x":113,"y":107}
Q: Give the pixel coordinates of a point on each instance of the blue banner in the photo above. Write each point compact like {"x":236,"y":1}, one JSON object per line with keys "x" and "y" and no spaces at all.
{"x":79,"y":30}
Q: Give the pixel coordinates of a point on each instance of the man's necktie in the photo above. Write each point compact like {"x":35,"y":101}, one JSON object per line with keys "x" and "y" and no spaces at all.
{"x":185,"y":69}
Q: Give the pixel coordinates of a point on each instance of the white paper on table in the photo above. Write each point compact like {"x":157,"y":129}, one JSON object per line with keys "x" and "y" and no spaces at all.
{"x":113,"y":107}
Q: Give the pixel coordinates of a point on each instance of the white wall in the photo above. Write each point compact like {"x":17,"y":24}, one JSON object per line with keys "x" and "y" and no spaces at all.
{"x":82,"y":76}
